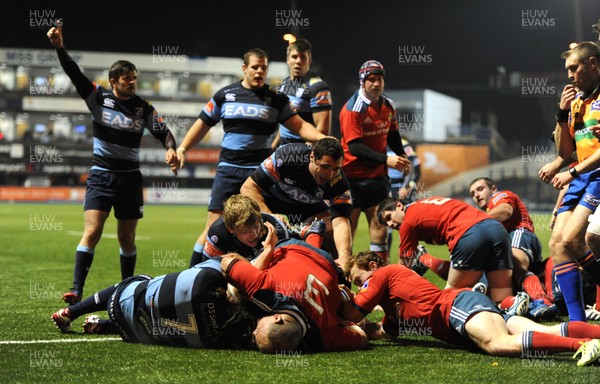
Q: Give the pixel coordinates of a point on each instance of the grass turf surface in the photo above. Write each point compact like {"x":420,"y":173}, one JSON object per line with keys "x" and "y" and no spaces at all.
{"x":37,"y":254}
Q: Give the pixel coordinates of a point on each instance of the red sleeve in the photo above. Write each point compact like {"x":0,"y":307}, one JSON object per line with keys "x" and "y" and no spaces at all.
{"x":346,"y":336}
{"x":503,"y":197}
{"x":246,"y":277}
{"x":408,"y":240}
{"x":370,"y":294}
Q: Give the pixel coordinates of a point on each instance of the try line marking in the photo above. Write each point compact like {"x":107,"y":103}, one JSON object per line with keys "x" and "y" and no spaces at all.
{"x":56,"y":341}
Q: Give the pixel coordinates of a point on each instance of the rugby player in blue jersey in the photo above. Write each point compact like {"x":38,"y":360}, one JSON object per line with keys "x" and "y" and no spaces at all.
{"x":119,"y":118}
{"x":191,"y":308}
{"x":307,"y":92}
{"x":250,"y":112}
{"x":306,"y":182}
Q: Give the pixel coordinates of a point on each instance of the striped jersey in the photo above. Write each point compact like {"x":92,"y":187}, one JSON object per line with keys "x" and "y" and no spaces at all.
{"x":182,"y":309}
{"x":220,"y":241}
{"x":285,"y":177}
{"x":308,"y":95}
{"x":118,"y":125}
{"x":250,"y":117}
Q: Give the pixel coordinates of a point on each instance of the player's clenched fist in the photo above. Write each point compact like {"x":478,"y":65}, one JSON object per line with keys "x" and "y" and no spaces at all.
{"x":55,"y":35}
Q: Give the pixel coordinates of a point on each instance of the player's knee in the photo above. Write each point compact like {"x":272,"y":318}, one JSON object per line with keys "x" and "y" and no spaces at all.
{"x":592,"y":239}
{"x":573,"y":246}
{"x":495,"y":347}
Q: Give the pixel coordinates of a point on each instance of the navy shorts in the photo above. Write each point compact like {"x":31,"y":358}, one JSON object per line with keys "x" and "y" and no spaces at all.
{"x":583,"y":190}
{"x":121,"y":190}
{"x":528,"y":242}
{"x":228,"y":182}
{"x":367,"y":193}
{"x":467,"y":304}
{"x":484,"y":247}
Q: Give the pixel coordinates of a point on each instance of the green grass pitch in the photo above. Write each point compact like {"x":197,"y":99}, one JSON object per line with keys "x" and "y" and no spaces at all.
{"x":37,"y":246}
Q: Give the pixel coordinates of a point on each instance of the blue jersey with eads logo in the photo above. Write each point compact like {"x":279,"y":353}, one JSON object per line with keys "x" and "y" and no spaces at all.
{"x":250,"y":117}
{"x":118,"y":125}
{"x":308,"y":95}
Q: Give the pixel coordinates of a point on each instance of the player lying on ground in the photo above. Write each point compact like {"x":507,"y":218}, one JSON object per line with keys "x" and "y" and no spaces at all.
{"x":181,"y":309}
{"x":299,"y":275}
{"x":412,"y":304}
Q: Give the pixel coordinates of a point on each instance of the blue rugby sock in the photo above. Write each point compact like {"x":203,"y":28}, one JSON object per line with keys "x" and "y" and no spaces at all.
{"x":569,"y":281}
{"x":591,"y":266}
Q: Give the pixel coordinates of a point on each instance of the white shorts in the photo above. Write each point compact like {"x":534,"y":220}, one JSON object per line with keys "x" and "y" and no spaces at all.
{"x":594,"y":224}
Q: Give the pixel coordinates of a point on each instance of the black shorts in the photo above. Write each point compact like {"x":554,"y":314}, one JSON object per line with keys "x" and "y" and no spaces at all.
{"x":228,"y":182}
{"x":121,"y":190}
{"x":367,"y":193}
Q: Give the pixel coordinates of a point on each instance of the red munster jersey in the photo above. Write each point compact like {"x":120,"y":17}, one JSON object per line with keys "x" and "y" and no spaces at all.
{"x":370,"y":122}
{"x":411,"y":303}
{"x":436,"y":220}
{"x":299,"y":272}
{"x":520,"y":217}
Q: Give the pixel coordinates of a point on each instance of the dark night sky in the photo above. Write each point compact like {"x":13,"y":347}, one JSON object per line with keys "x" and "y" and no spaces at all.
{"x":467,"y":40}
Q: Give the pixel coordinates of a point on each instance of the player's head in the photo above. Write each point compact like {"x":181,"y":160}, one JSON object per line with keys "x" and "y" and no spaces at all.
{"x":280,"y":332}
{"x":255,"y":68}
{"x":481,"y":190}
{"x":390,"y":212}
{"x":582,"y":63}
{"x":362,"y":265}
{"x":242,"y":217}
{"x":122,"y":76}
{"x":371,"y":76}
{"x":299,"y":58}
{"x":326,"y":158}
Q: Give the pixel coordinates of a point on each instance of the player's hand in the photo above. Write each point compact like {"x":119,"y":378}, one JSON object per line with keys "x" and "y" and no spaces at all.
{"x":595,"y":130}
{"x":561,"y":179}
{"x":171,"y":160}
{"x":547,"y":172}
{"x":271,"y":239}
{"x":400,"y":163}
{"x":181,"y":157}
{"x":55,"y":35}
{"x":568,"y":95}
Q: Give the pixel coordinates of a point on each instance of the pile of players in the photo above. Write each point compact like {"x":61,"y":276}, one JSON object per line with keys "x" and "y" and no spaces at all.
{"x":266,"y":271}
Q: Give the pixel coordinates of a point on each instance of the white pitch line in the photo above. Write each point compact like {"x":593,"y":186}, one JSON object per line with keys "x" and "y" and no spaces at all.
{"x":5,"y":342}
{"x":107,"y":235}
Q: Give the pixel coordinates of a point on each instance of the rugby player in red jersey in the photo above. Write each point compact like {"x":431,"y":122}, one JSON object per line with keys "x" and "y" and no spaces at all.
{"x":302,"y":275}
{"x":506,"y":207}
{"x":477,"y":243}
{"x":413,"y":305}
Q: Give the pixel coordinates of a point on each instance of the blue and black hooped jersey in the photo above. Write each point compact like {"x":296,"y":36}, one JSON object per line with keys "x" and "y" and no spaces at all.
{"x":285,"y":177}
{"x":250,"y":117}
{"x":308,"y":95}
{"x":182,"y":309}
{"x":118,"y":125}
{"x":220,"y":241}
